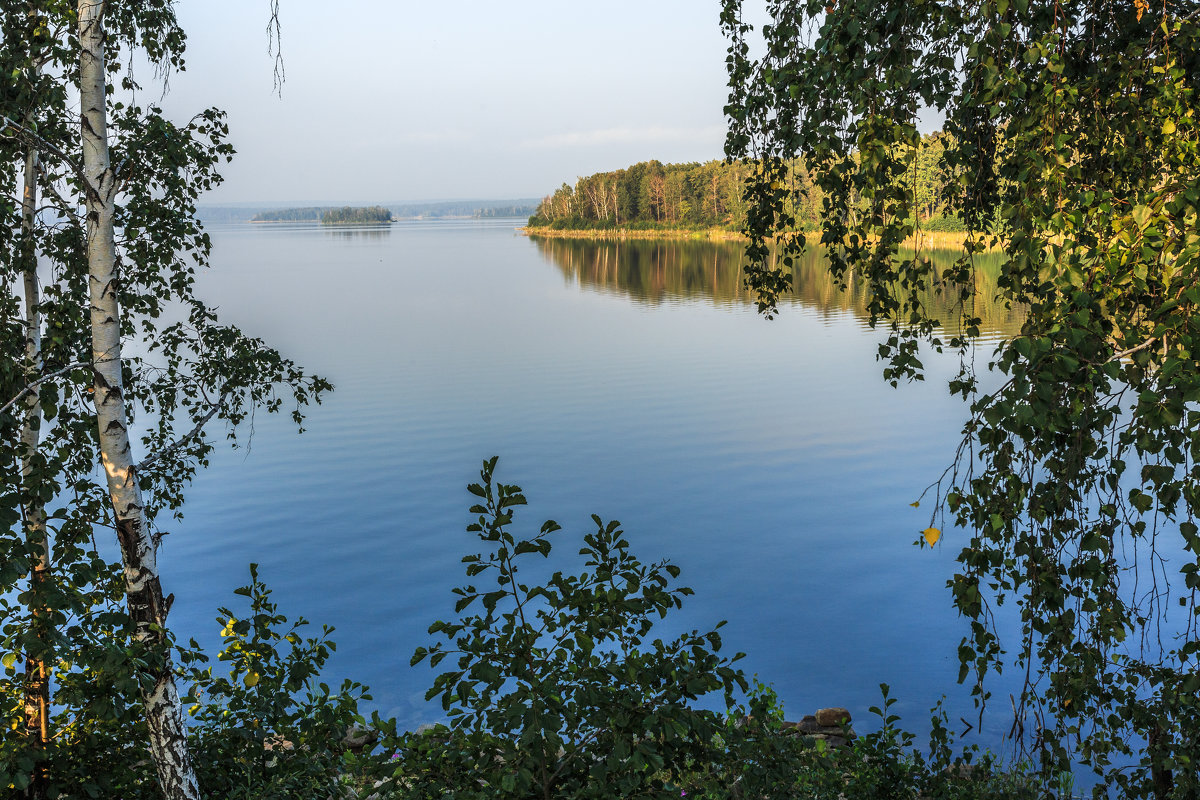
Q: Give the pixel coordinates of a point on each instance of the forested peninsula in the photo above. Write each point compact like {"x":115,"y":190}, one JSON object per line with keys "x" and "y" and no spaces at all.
{"x":655,"y":200}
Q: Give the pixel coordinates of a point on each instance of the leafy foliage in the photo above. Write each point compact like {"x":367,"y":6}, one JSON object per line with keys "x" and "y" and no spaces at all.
{"x":1072,"y":145}
{"x":267,"y":727}
{"x":557,"y":689}
{"x":193,"y":374}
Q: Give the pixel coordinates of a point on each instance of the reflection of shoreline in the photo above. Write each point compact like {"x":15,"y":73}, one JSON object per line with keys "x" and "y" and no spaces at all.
{"x":663,"y":271}
{"x":358,"y":231}
{"x":317,"y":222}
{"x":927,"y":240}
{"x":635,"y":234}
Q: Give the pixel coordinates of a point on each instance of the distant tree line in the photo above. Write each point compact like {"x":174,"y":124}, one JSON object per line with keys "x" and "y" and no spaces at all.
{"x":710,"y":195}
{"x":468,"y":209}
{"x":465,"y":209}
{"x":312,"y":214}
{"x":348,"y":215}
{"x":504,"y":211}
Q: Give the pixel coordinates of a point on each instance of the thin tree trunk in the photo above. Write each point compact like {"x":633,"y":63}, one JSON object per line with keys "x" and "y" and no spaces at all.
{"x":37,"y":683}
{"x":143,"y":590}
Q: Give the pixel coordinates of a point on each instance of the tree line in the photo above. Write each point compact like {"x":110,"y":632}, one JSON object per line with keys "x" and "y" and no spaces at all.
{"x":326,"y":215}
{"x":347,"y":215}
{"x":308,"y":214}
{"x":712,"y":195}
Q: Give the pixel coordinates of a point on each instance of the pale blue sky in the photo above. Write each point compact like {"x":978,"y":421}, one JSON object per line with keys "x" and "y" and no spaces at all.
{"x":396,"y":101}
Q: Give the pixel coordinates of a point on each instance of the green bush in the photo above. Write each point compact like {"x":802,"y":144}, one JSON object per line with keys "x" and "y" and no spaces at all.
{"x":558,"y":689}
{"x":270,"y":729}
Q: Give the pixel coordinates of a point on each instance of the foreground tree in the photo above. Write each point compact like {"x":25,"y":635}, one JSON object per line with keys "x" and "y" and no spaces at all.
{"x":1073,"y":147}
{"x":121,"y":245}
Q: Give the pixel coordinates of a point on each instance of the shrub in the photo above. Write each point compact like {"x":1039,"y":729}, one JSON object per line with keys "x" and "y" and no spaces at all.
{"x":270,"y":729}
{"x":557,"y":689}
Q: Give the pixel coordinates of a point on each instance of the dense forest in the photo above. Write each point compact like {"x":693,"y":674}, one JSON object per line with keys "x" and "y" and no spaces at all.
{"x":710,"y":195}
{"x":351,"y":216}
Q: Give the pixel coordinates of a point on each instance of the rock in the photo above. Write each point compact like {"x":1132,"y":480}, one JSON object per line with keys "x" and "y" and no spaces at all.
{"x":808,"y":724}
{"x":277,"y":743}
{"x":358,"y":738}
{"x":832,"y":717}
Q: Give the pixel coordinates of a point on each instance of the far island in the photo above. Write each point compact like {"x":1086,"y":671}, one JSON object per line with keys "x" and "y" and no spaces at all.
{"x":347,"y":215}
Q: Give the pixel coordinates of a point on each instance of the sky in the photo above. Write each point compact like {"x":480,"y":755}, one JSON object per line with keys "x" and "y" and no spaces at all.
{"x":398,"y":100}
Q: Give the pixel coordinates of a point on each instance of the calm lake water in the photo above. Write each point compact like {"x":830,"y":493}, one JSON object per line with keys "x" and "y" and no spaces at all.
{"x":767,"y":459}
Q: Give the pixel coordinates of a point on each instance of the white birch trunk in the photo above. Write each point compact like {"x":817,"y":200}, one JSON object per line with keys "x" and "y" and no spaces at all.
{"x":147,"y":608}
{"x":37,"y":681}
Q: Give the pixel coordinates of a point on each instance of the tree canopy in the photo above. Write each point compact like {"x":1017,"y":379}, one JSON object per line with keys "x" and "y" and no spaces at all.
{"x":1072,"y":145}
{"x":711,"y":195}
{"x":100,"y":324}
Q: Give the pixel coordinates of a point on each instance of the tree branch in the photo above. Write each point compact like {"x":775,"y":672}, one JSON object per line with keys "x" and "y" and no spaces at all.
{"x":182,"y":440}
{"x":40,"y":381}
{"x":32,"y":139}
{"x":1132,"y":350}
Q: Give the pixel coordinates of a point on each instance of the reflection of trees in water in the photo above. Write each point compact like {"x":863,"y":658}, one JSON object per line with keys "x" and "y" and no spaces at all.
{"x":364,"y":232}
{"x":657,"y":271}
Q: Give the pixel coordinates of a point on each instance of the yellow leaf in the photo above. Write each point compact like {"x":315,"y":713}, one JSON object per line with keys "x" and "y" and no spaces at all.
{"x":1141,"y":6}
{"x":1168,"y":127}
{"x":931,"y":535}
{"x":916,"y":504}
{"x":251,"y":679}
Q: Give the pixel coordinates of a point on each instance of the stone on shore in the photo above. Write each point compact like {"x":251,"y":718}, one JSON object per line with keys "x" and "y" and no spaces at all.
{"x":827,"y":717}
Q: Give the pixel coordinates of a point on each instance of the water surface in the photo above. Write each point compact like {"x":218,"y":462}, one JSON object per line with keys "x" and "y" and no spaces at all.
{"x":767,"y":459}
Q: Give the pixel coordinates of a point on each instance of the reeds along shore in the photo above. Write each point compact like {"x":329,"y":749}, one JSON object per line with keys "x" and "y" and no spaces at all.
{"x":940,"y":240}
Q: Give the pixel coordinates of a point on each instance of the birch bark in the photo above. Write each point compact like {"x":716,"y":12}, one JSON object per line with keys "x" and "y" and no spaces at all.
{"x":37,"y":683}
{"x":147,"y":607}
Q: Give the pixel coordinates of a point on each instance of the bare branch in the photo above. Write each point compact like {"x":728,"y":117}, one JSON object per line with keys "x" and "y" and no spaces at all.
{"x":40,"y":381}
{"x":275,"y":47}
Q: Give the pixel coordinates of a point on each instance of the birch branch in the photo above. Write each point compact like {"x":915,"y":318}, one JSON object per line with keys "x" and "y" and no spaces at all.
{"x":182,"y":440}
{"x":32,"y":139}
{"x":1132,"y":350}
{"x":39,"y":382}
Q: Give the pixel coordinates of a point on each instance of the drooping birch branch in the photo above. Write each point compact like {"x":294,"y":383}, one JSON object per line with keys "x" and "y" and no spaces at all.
{"x":44,"y":379}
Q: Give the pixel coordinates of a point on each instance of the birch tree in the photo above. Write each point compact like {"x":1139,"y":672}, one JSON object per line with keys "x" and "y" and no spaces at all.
{"x":1073,"y":149}
{"x":147,"y":606}
{"x":121,"y":245}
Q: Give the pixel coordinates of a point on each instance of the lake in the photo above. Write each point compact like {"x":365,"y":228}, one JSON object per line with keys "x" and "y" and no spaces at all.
{"x":768,"y":459}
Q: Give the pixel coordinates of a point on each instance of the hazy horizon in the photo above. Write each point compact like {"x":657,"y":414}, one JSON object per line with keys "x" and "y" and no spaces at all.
{"x":357,"y":201}
{"x":466,"y":102}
